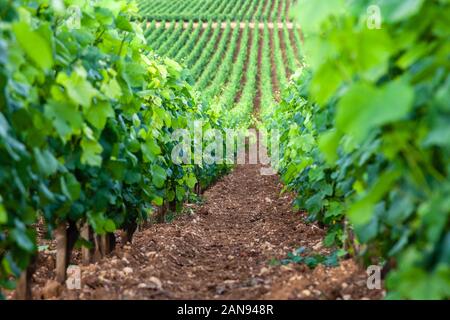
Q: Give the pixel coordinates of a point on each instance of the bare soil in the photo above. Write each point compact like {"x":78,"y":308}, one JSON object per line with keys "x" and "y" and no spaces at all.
{"x":280,"y":4}
{"x":222,"y":249}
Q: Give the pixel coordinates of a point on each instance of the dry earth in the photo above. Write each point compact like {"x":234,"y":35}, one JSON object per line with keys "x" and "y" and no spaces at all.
{"x":222,"y":249}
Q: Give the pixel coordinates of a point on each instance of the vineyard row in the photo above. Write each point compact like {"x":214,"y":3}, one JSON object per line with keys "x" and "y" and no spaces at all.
{"x":223,"y":62}
{"x":242,"y":10}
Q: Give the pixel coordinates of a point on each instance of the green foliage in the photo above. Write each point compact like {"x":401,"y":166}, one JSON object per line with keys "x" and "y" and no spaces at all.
{"x":303,"y":256}
{"x":267,"y":99}
{"x":177,"y":45}
{"x":86,"y":116}
{"x":206,"y":52}
{"x":195,"y":54}
{"x":278,"y":57}
{"x":231,"y":88}
{"x":213,"y":56}
{"x":238,"y":10}
{"x":365,"y":136}
{"x":219,"y":70}
{"x":240,"y":114}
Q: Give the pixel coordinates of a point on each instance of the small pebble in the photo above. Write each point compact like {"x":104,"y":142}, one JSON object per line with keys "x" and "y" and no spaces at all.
{"x":127,"y":270}
{"x":306,"y":292}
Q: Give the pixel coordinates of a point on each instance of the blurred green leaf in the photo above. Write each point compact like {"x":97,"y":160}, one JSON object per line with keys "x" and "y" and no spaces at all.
{"x":35,"y":45}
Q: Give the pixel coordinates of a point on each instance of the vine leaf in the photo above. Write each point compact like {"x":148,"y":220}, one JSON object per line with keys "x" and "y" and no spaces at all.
{"x":158,"y":176}
{"x":365,"y":107}
{"x":36,"y":46}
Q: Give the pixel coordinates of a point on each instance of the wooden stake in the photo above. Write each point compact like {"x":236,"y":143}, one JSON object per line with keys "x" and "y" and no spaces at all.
{"x":161,"y":213}
{"x":104,"y":244}
{"x":86,"y":252}
{"x":198,"y":189}
{"x":23,"y":290}
{"x":61,"y":252}
{"x":97,"y":250}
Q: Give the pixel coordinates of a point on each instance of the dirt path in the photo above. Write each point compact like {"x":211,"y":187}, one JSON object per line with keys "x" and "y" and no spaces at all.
{"x":222,"y":250}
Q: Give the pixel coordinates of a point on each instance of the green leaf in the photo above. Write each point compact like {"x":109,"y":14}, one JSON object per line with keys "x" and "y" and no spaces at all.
{"x":311,"y":261}
{"x":402,"y":206}
{"x":10,"y":266}
{"x":122,"y":23}
{"x":365,"y":107}
{"x":328,"y":144}
{"x":158,"y":201}
{"x":311,"y":13}
{"x":78,"y":88}
{"x":397,"y":10}
{"x":117,"y":169}
{"x":22,"y":240}
{"x":71,"y":187}
{"x":325,"y":82}
{"x":133,"y":73}
{"x":150,"y":149}
{"x":191,"y":181}
{"x":4,"y":126}
{"x":159,"y":176}
{"x":98,"y":113}
{"x":332,"y":260}
{"x":170,"y":195}
{"x":91,"y":152}
{"x":109,"y":226}
{"x":136,"y":121}
{"x":361,"y":211}
{"x":3,"y":213}
{"x":416,"y":283}
{"x":104,"y":16}
{"x":132,"y":176}
{"x":37,"y":47}
{"x":173,"y":67}
{"x":439,"y":134}
{"x":180,"y":192}
{"x":46,"y":162}
{"x":330,"y":239}
{"x":65,"y":117}
{"x":112,"y":89}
